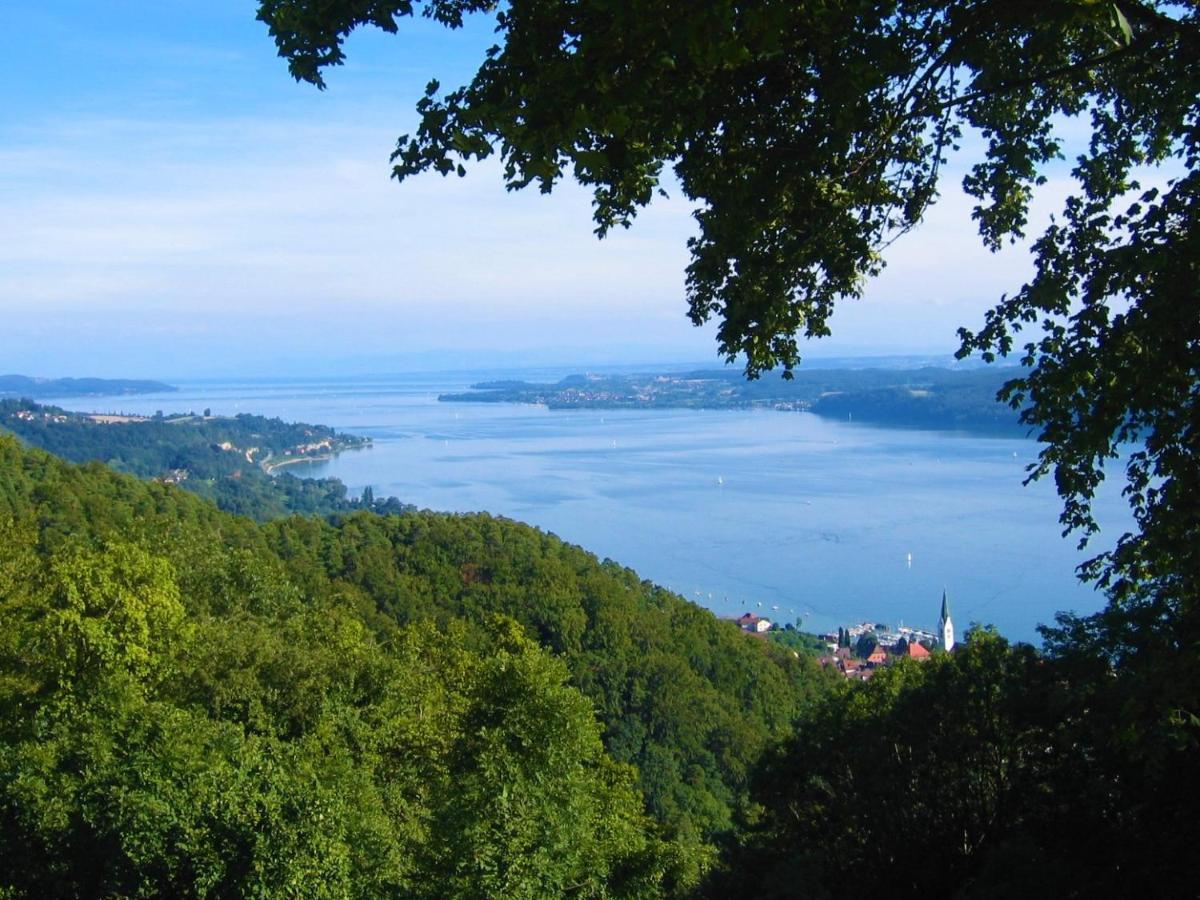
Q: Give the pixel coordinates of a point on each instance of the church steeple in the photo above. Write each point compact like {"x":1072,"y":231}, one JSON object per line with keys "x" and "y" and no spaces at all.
{"x":945,"y":625}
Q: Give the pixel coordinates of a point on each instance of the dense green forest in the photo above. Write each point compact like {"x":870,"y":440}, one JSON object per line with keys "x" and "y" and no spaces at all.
{"x":928,"y":397}
{"x":193,"y":703}
{"x":24,"y":386}
{"x":425,"y":704}
{"x":236,"y":461}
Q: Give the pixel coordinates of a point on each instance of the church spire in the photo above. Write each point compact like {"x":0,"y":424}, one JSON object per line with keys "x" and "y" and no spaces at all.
{"x":945,"y":625}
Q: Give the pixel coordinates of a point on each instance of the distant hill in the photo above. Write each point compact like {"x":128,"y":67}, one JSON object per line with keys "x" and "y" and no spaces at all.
{"x":927,"y":398}
{"x":35,"y":388}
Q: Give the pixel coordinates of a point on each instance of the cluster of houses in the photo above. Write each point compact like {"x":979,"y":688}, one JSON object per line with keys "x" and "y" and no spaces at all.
{"x":322,"y":446}
{"x":885,"y":646}
{"x":844,"y":660}
{"x":299,"y":452}
{"x":858,"y":651}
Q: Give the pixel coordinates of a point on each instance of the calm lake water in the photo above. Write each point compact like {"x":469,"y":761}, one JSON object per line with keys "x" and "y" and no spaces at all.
{"x":735,"y":510}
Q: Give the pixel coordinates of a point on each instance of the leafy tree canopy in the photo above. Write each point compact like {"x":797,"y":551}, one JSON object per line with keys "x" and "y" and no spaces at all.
{"x":993,"y":771}
{"x":812,"y":135}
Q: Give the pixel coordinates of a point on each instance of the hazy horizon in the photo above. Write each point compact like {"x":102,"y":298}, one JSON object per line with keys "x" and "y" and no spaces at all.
{"x":550,"y":367}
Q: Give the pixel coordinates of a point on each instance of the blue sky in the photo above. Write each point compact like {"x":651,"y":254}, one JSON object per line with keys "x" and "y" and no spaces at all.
{"x":176,"y":205}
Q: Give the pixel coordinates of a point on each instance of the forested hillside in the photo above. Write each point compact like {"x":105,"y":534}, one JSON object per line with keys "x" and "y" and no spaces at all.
{"x":431,"y":705}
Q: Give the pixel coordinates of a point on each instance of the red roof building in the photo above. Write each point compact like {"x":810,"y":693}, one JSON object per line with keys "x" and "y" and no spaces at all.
{"x":916,"y":651}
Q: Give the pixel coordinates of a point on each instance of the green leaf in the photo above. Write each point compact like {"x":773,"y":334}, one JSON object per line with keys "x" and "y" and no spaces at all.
{"x":1123,"y":24}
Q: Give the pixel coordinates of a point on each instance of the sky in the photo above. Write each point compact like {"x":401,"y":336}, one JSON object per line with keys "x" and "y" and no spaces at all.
{"x":176,"y":205}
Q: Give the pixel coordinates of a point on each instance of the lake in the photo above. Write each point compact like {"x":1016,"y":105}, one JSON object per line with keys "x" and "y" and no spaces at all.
{"x":780,"y":513}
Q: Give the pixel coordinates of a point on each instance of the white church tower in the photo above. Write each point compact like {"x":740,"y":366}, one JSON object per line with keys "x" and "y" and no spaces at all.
{"x":945,"y":626}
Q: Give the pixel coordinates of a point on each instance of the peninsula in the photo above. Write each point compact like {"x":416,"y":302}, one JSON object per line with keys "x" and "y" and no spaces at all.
{"x":232,"y":460}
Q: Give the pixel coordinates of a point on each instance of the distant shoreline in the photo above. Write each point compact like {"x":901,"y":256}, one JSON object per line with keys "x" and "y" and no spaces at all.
{"x":17,"y":386}
{"x":925,"y":399}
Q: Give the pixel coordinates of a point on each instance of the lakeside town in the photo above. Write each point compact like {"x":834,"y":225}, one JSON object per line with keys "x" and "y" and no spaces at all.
{"x":858,"y":651}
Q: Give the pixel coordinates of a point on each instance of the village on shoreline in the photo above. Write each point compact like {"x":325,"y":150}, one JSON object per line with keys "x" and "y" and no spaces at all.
{"x":858,"y":651}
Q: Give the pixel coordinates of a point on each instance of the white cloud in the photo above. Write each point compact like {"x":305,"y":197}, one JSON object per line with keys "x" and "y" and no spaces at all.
{"x":290,"y":219}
